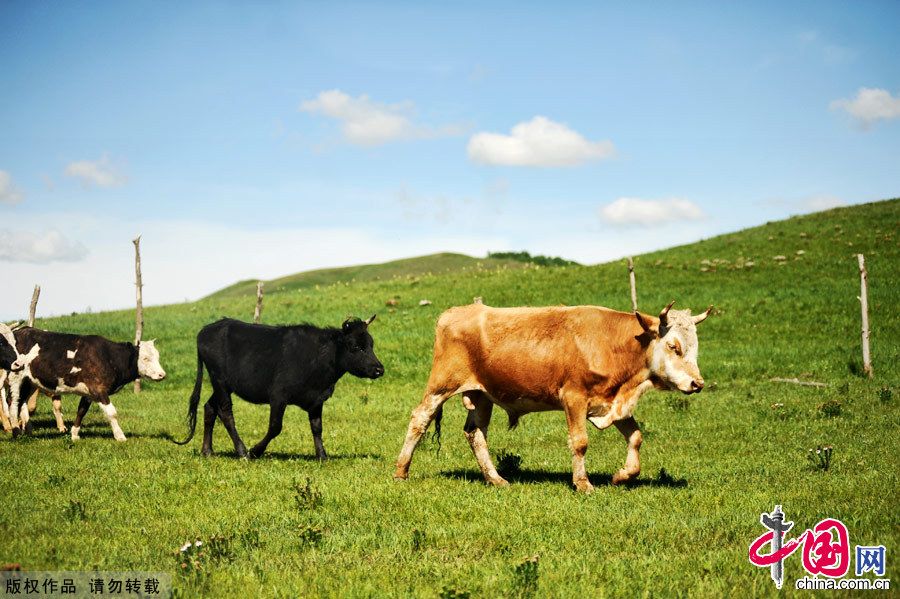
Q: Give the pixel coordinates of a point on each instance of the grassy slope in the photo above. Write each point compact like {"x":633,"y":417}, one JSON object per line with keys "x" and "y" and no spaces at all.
{"x":407,"y":267}
{"x":727,"y":454}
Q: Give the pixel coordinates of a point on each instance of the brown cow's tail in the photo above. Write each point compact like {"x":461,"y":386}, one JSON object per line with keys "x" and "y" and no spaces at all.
{"x":194,"y":402}
{"x":436,"y":435}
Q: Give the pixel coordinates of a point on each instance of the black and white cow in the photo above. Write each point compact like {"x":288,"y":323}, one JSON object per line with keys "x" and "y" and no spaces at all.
{"x":10,"y":360}
{"x":87,"y":365}
{"x":297,"y":365}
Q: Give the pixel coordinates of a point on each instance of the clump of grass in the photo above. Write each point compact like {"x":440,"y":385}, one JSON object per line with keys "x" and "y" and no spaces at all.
{"x":418,"y":539}
{"x":196,"y":558}
{"x":508,"y":464}
{"x":831,"y":408}
{"x":306,"y":496}
{"x":820,"y":457}
{"x":885,"y":395}
{"x":310,"y":535}
{"x":449,"y":592}
{"x":525,"y":577}
{"x":679,"y":403}
{"x":75,"y":511}
{"x":55,"y":480}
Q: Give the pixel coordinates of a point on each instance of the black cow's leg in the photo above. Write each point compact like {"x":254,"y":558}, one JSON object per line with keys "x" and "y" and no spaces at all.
{"x":227,"y":418}
{"x":83,"y":406}
{"x":315,"y":424}
{"x":276,"y":415}
{"x":209,"y":421}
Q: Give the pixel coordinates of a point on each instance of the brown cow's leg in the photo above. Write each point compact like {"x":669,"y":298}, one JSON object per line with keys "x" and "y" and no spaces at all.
{"x":422,"y":416}
{"x":57,"y":413}
{"x":629,"y":429}
{"x":112,"y":415}
{"x":476,"y":429}
{"x":576,"y":417}
{"x":83,"y":406}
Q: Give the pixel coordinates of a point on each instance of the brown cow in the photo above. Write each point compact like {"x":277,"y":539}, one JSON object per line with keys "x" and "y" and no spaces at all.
{"x":591,"y":362}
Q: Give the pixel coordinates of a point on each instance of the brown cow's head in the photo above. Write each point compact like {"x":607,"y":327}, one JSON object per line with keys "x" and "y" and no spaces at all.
{"x":148,"y":361}
{"x":673,"y":364}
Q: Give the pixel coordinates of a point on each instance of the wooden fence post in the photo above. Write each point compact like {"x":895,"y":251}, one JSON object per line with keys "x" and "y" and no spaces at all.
{"x":257,"y":314}
{"x":139,"y":311}
{"x":633,"y":285}
{"x":33,"y":307}
{"x":864,"y":304}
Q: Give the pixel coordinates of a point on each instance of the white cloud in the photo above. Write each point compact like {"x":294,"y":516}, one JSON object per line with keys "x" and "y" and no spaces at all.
{"x":637,"y":211}
{"x":870,"y":106}
{"x":368,"y":123}
{"x":9,"y":194}
{"x":98,"y":172}
{"x":538,"y":142}
{"x":39,"y":248}
{"x":824,"y":202}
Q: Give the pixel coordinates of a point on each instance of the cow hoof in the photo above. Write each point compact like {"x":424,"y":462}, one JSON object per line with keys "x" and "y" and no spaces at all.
{"x":16,"y":432}
{"x":28,"y":428}
{"x":121,"y":439}
{"x":498,"y":482}
{"x":206,"y":452}
{"x":584,"y":486}
{"x":621,"y":477}
{"x":62,"y":429}
{"x":254,"y":454}
{"x":400,"y":477}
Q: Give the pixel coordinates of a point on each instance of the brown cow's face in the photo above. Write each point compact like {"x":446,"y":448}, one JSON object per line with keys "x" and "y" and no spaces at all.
{"x":674,"y":362}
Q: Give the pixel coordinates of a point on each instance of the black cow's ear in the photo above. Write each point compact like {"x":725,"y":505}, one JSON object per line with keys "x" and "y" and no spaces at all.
{"x":348,"y":323}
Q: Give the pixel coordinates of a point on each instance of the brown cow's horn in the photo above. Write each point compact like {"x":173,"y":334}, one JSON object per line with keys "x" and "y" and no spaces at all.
{"x":664,"y":315}
{"x":701,"y":317}
{"x":370,"y":319}
{"x":642,"y":322}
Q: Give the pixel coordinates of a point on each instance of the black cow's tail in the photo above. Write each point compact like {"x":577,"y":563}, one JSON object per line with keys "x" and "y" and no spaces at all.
{"x":436,"y":436}
{"x":195,"y":401}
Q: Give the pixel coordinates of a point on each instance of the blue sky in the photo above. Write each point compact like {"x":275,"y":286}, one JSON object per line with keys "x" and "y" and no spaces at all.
{"x":254,"y":140}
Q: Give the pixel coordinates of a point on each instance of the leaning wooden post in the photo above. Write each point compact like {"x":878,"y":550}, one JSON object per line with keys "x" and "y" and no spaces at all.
{"x":33,"y":307}
{"x":257,"y":314}
{"x":864,"y":303}
{"x":633,"y":285}
{"x":139,"y":312}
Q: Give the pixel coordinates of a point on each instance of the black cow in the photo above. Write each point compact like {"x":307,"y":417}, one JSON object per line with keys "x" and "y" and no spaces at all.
{"x":297,"y":365}
{"x":88,"y":365}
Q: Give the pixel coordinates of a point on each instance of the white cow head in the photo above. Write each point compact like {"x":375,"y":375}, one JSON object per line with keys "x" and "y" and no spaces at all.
{"x":148,"y":361}
{"x":673,"y":364}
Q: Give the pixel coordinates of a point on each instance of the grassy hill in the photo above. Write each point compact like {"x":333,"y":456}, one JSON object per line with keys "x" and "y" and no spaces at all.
{"x":433,"y":264}
{"x":786,"y":299}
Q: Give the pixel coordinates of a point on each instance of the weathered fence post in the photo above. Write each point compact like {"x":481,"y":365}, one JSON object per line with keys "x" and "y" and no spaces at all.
{"x":33,"y":307}
{"x":257,"y":314}
{"x":633,"y":285}
{"x":864,"y":304}
{"x":139,"y":311}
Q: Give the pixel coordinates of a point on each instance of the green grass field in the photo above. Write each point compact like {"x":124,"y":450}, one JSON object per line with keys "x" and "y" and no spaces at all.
{"x":711,"y":463}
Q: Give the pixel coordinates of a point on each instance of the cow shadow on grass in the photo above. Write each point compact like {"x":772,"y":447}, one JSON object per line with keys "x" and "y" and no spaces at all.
{"x":662,"y":479}
{"x":283,"y":456}
{"x":43,"y":428}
